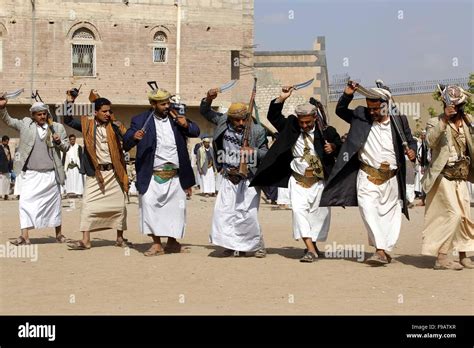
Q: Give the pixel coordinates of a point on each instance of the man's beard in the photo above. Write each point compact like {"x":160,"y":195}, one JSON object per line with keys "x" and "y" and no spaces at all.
{"x":161,"y":114}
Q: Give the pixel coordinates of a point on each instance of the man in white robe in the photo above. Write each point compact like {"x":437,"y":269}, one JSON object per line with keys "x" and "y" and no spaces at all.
{"x":301,"y":158}
{"x":372,"y":161}
{"x":206,"y":168}
{"x":164,"y":174}
{"x":38,"y":161}
{"x":235,"y":225}
{"x":74,"y":179}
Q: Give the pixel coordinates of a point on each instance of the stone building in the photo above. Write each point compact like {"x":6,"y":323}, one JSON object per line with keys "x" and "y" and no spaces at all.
{"x":116,"y":46}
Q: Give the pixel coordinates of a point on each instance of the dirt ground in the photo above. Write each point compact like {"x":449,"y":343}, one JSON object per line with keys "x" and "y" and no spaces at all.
{"x":111,"y":280}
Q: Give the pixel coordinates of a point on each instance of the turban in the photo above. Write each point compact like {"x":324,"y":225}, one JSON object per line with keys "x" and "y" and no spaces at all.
{"x":237,"y":110}
{"x":380,"y":93}
{"x":159,"y":95}
{"x":305,"y":109}
{"x":456,"y":94}
{"x":206,"y":140}
{"x":39,"y":106}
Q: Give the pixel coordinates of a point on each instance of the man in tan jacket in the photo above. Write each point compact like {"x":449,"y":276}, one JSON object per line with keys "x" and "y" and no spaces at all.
{"x":448,"y":222}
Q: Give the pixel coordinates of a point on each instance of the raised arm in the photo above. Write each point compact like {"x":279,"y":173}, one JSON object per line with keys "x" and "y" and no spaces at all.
{"x":206,"y":110}
{"x":10,"y":121}
{"x":342,"y":107}
{"x":274,"y":115}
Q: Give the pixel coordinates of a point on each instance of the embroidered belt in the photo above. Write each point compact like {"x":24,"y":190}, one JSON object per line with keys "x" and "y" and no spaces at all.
{"x":234,"y":176}
{"x":105,"y":167}
{"x":459,"y":171}
{"x":305,"y":181}
{"x":163,"y":175}
{"x":380,"y":175}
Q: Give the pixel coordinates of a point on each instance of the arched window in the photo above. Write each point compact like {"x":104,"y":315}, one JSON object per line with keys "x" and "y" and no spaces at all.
{"x":160,"y":49}
{"x":83,"y":52}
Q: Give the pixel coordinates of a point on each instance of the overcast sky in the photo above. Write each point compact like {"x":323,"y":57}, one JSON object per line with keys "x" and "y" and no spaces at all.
{"x":398,"y":41}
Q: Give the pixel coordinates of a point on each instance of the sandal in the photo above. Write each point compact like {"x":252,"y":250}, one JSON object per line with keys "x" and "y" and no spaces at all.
{"x":177,"y":249}
{"x":124,"y":243}
{"x":153,"y":252}
{"x":321,"y":254}
{"x":467,"y":263}
{"x":376,"y":260}
{"x":78,"y":245}
{"x":261,"y":253}
{"x":21,"y":241}
{"x":451,"y":265}
{"x":234,"y":253}
{"x":60,"y":238}
{"x":309,"y":257}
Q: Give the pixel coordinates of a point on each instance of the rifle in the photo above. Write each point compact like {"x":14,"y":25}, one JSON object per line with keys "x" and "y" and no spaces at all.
{"x":243,"y":167}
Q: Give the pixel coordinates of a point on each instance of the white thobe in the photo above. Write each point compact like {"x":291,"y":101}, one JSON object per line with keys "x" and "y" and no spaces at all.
{"x":162,"y":208}
{"x":379,"y":205}
{"x":74,"y":180}
{"x":309,"y":219}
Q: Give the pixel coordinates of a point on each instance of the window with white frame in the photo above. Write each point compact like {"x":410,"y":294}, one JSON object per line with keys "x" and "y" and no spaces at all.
{"x":160,"y":49}
{"x":83,"y":53}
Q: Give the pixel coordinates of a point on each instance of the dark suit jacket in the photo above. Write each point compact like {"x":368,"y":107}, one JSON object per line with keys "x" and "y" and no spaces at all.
{"x":147,"y":146}
{"x":275,"y":168}
{"x":341,"y":188}
{"x":5,"y":165}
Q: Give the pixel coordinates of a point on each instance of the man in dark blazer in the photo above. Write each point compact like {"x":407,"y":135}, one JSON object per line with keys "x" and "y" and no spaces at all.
{"x":370,"y":169}
{"x":301,"y":159}
{"x":164,"y":173}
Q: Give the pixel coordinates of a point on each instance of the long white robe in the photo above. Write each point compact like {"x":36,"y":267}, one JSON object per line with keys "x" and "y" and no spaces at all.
{"x":309,"y":219}
{"x":235,"y":220}
{"x":162,"y":209}
{"x":379,"y":205}
{"x":219,"y":178}
{"x":40,"y":200}
{"x":208,"y":182}
{"x":17,"y":187}
{"x":4,"y":184}
{"x":74,"y":180}
{"x":283,"y":196}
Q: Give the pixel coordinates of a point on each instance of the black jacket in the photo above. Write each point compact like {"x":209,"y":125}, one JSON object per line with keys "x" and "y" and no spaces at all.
{"x":275,"y":168}
{"x":341,"y":188}
{"x":5,"y":165}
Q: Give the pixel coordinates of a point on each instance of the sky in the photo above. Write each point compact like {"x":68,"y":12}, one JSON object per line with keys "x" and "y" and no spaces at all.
{"x":397,"y":41}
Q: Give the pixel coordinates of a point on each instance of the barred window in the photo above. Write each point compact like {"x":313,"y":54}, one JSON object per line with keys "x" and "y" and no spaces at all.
{"x":159,"y":54}
{"x":83,"y":53}
{"x":160,"y":50}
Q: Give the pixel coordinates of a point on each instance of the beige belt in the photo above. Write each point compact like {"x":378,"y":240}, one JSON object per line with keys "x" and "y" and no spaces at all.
{"x":305,"y":181}
{"x":381,"y":175}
